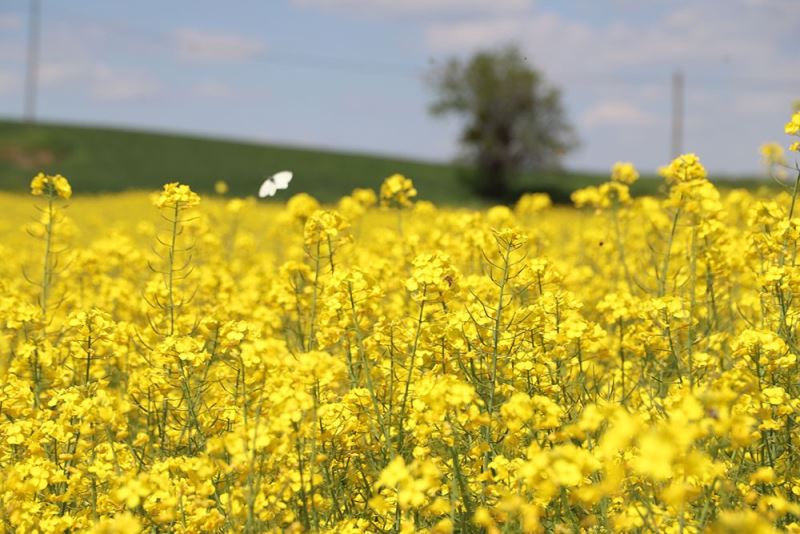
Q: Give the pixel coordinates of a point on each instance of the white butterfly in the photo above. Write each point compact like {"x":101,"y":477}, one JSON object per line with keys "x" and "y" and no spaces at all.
{"x":279,"y":180}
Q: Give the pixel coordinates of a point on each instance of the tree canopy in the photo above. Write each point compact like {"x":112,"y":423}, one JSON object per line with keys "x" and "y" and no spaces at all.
{"x":514,"y":120}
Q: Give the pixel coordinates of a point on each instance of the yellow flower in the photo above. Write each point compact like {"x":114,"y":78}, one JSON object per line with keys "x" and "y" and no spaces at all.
{"x":365,"y":197}
{"x":394,"y":473}
{"x":433,"y":278}
{"x":221,"y":187}
{"x":38,"y":184}
{"x":301,"y":206}
{"x":51,"y":185}
{"x":655,"y":457}
{"x":324,"y":226}
{"x":772,"y":154}
{"x":685,"y":168}
{"x":775,"y":395}
{"x":397,"y":191}
{"x":175,"y":195}
{"x":444,"y":526}
{"x":739,"y":521}
{"x":510,"y":237}
{"x":624,"y":173}
{"x":524,"y":370}
{"x":483,"y":518}
{"x":602,"y":196}
{"x":765,"y":475}
{"x":124,"y":523}
{"x":793,"y":126}
{"x":517,"y":411}
{"x":531,"y":203}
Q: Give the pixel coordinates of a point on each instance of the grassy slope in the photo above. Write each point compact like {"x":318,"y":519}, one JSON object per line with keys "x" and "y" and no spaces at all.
{"x":104,"y":160}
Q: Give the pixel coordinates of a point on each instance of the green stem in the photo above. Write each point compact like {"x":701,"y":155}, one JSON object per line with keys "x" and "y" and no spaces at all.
{"x":171,"y":269}
{"x":48,"y":273}
{"x":662,"y":287}
{"x":498,"y":323}
{"x":621,"y":249}
{"x":791,"y":214}
{"x":312,"y":328}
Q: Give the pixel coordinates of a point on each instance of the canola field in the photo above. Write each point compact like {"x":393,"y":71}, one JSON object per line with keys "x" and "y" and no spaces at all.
{"x":172,"y":363}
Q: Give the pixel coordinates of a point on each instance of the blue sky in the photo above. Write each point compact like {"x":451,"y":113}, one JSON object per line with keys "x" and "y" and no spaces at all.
{"x":347,"y":74}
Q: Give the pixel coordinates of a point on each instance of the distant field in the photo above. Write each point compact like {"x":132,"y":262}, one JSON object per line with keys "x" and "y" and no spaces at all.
{"x":108,"y":160}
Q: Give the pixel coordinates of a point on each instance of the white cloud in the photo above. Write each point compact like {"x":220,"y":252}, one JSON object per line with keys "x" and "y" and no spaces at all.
{"x":9,"y":21}
{"x":400,"y":7}
{"x":71,"y":61}
{"x":54,"y":73}
{"x":739,"y":65}
{"x":616,"y":114}
{"x":101,"y":81}
{"x":8,"y":83}
{"x":121,"y":85}
{"x":456,"y":36}
{"x":744,"y":39}
{"x":212,"y":89}
{"x":199,"y":45}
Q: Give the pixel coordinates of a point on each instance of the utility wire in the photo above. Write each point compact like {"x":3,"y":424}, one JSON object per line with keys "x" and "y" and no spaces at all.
{"x":295,"y":59}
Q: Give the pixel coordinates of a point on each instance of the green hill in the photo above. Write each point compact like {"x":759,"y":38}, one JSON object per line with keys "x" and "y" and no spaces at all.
{"x":105,"y":160}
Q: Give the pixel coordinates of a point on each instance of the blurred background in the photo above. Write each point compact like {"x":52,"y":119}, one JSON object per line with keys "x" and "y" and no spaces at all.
{"x":119,"y":95}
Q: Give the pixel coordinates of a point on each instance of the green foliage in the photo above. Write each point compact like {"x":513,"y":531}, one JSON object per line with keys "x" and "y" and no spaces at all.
{"x":514,"y":120}
{"x":100,"y":160}
{"x":107,"y":160}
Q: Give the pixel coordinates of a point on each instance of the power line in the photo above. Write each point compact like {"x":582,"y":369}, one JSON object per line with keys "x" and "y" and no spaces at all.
{"x":338,"y":63}
{"x":165,"y":40}
{"x":293,"y":59}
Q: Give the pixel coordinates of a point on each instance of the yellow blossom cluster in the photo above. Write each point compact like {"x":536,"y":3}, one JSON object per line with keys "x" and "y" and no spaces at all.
{"x":624,"y":172}
{"x":177,"y":195}
{"x":614,"y":193}
{"x":221,"y":187}
{"x":57,"y":185}
{"x":772,"y":154}
{"x":235,"y":366}
{"x":774,"y":159}
{"x":793,"y":128}
{"x":397,"y":191}
{"x":683,"y":169}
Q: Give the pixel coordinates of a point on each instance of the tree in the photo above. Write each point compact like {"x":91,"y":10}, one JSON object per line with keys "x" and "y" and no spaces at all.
{"x":514,"y":120}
